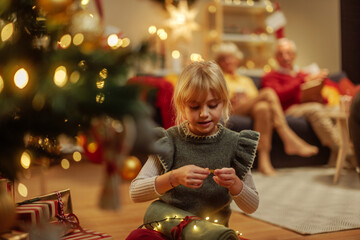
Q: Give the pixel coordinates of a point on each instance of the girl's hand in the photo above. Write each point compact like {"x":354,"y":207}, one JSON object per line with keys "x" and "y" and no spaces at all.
{"x":190,"y":176}
{"x":227,"y":178}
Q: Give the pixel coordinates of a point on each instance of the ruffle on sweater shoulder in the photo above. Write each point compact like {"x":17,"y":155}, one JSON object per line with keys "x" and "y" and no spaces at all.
{"x":245,"y":152}
{"x":166,"y":144}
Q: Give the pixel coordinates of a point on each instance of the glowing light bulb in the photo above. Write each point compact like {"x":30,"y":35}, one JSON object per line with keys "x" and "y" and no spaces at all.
{"x":195,"y":227}
{"x":60,"y":76}
{"x":269,"y":29}
{"x":215,"y":221}
{"x":100,"y":98}
{"x":92,"y":147}
{"x":100,"y":84}
{"x":207,"y":218}
{"x":250,"y":64}
{"x":212,"y":9}
{"x":195,"y":57}
{"x":25,"y":160}
{"x":237,"y":2}
{"x":77,"y":156}
{"x":125,"y":42}
{"x":269,"y":8}
{"x":250,"y":2}
{"x":22,"y":190}
{"x":65,"y":41}
{"x":103,"y":73}
{"x":1,"y":84}
{"x":78,"y":39}
{"x":21,"y":78}
{"x":7,"y":32}
{"x":65,"y":164}
{"x":163,"y":35}
{"x":84,"y":2}
{"x":159,"y":31}
{"x":112,"y":40}
{"x":74,"y":77}
{"x":152,"y":29}
{"x":175,"y":54}
{"x":267,"y":68}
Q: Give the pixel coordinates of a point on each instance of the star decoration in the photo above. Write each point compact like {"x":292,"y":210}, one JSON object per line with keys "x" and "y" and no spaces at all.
{"x":182,"y":20}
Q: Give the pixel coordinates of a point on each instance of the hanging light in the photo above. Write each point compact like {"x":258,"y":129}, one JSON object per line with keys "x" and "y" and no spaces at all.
{"x":21,"y":78}
{"x":60,"y":76}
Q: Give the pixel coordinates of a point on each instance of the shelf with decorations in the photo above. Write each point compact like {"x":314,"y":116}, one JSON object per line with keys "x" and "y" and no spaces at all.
{"x":248,"y":25}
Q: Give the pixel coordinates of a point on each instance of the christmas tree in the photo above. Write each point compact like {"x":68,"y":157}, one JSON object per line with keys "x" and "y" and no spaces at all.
{"x":58,"y":72}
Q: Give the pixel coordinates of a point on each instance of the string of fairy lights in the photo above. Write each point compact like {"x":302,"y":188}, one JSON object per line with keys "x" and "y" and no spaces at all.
{"x":157,"y":225}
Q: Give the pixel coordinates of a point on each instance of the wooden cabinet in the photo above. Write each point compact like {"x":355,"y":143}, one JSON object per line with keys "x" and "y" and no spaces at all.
{"x":245,"y":24}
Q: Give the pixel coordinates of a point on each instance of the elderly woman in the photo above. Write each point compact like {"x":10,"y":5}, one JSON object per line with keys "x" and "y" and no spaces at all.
{"x":263,"y":106}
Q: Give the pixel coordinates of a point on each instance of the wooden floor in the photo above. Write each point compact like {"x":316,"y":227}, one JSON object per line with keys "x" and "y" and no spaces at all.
{"x":85,"y":180}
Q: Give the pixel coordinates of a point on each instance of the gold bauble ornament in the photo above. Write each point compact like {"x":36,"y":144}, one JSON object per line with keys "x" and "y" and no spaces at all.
{"x":54,"y":6}
{"x":89,"y":24}
{"x":130,"y":168}
{"x":7,"y":208}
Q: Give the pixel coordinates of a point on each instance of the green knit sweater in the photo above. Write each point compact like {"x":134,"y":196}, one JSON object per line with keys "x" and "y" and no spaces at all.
{"x":224,"y":149}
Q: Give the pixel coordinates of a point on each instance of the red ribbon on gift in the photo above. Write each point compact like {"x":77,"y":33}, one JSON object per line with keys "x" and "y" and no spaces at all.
{"x":177,"y":230}
{"x":70,"y":218}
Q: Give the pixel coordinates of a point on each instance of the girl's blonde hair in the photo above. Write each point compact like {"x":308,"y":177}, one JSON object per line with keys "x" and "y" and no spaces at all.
{"x":197,"y":80}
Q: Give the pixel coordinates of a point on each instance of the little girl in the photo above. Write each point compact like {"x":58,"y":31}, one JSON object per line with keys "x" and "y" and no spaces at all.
{"x":206,"y":165}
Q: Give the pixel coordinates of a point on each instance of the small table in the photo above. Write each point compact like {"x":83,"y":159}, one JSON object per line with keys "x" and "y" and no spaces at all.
{"x":341,"y":116}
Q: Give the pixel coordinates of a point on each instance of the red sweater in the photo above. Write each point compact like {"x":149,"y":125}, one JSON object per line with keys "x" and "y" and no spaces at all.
{"x":286,"y":86}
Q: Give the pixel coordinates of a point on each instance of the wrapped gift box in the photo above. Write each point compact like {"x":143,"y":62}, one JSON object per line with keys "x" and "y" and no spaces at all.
{"x":43,"y":208}
{"x":36,"y":212}
{"x":86,"y":234}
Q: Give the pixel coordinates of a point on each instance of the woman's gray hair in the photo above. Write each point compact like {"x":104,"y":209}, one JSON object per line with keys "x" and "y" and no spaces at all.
{"x":226,"y":48}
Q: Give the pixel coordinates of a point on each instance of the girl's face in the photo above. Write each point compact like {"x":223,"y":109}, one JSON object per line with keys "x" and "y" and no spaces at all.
{"x":203,"y":115}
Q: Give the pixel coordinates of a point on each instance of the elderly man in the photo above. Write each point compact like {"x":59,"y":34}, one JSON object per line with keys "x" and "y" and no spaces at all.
{"x":263,"y":106}
{"x":291,"y":85}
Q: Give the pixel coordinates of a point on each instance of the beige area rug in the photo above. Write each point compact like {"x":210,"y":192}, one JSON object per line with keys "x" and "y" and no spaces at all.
{"x":306,"y":201}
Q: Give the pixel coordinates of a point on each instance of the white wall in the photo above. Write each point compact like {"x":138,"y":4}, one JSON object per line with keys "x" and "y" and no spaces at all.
{"x":313,"y":24}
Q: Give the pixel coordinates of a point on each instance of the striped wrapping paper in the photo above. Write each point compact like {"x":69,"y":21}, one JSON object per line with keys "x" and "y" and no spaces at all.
{"x":34,"y":213}
{"x":86,"y":235}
